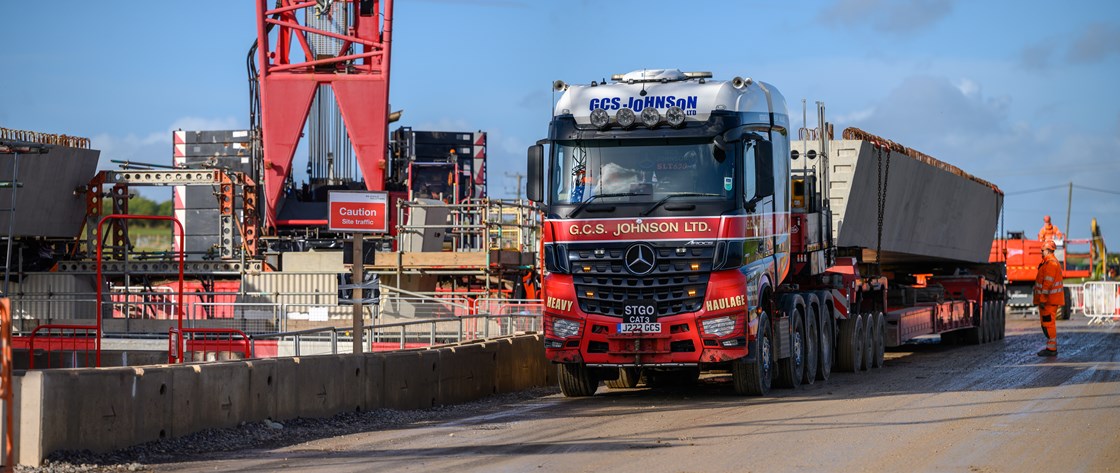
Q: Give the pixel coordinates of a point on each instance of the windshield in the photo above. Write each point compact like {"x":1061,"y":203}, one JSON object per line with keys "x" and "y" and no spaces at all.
{"x":606,"y":170}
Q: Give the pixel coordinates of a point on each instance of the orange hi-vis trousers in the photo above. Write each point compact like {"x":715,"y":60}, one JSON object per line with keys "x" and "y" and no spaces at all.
{"x":1049,"y":316}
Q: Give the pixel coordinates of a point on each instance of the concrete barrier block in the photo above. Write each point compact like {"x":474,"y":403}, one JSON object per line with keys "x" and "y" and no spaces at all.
{"x":374,"y":380}
{"x":532,"y":369}
{"x":506,"y":366}
{"x":151,"y":398}
{"x":212,"y":395}
{"x":326,"y":385}
{"x":411,"y":379}
{"x":466,"y":373}
{"x":286,"y":386}
{"x":262,"y":390}
{"x":93,"y":409}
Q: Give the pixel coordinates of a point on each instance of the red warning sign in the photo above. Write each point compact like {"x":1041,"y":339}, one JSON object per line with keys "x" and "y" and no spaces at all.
{"x":358,"y":212}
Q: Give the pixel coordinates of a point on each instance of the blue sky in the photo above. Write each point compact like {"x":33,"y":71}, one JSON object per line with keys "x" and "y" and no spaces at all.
{"x":1021,"y":93}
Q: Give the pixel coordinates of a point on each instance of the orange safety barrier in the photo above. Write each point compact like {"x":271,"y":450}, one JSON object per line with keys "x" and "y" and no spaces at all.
{"x":60,"y":337}
{"x":6,"y":393}
{"x":206,"y":341}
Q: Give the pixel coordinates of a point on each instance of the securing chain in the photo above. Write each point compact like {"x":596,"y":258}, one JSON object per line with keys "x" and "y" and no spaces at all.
{"x":881,"y":181}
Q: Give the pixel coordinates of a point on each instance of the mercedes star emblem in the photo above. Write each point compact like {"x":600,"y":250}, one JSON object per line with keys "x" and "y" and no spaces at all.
{"x":640,"y":259}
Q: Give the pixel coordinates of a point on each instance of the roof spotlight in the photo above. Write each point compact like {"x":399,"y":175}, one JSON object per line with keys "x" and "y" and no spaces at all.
{"x":600,"y":119}
{"x":650,"y":117}
{"x":626,"y":117}
{"x":675,"y":116}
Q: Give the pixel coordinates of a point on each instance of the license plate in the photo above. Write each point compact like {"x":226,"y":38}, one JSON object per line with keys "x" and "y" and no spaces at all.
{"x":639,"y":328}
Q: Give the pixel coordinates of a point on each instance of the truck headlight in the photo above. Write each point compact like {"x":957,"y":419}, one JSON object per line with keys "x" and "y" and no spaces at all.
{"x":564,"y":328}
{"x":719,"y":326}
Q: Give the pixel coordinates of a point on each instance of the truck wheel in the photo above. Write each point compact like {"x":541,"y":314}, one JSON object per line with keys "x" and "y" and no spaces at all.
{"x":754,"y":378}
{"x":790,"y":369}
{"x":1001,"y":312}
{"x":879,"y":339}
{"x":627,"y":378}
{"x":975,"y":334}
{"x":849,"y":350}
{"x":824,"y":348}
{"x":812,"y":337}
{"x":576,"y":380}
{"x":990,"y":322}
{"x":868,"y":337}
{"x":1065,"y":309}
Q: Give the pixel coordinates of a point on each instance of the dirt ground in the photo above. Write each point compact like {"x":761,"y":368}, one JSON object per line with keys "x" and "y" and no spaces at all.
{"x":986,"y":408}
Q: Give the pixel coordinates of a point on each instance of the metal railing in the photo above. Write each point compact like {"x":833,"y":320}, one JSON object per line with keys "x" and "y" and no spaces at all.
{"x":1102,"y":302}
{"x":400,"y":335}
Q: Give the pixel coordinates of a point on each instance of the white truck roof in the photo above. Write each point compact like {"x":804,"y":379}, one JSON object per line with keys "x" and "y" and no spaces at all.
{"x":695,"y":93}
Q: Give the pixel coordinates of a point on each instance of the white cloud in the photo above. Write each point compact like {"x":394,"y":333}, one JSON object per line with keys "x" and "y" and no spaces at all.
{"x":896,"y":17}
{"x":1097,"y":42}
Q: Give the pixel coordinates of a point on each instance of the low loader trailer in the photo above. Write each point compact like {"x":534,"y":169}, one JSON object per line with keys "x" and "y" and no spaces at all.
{"x":685,"y":230}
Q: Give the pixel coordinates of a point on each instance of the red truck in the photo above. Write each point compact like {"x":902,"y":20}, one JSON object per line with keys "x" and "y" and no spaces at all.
{"x":685,"y":231}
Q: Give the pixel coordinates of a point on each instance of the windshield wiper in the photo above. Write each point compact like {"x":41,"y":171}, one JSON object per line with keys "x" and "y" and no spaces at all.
{"x":584,"y":204}
{"x":682,"y":194}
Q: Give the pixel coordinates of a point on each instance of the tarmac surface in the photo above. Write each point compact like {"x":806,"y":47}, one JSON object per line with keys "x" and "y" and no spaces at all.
{"x":985,"y":408}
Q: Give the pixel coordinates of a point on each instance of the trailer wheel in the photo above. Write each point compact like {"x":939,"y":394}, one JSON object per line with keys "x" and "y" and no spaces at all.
{"x":824,"y":348}
{"x":790,"y":369}
{"x":849,"y":350}
{"x":812,"y":337}
{"x":1064,"y":314}
{"x":976,"y":334}
{"x":576,"y":380}
{"x":627,"y":378}
{"x":878,"y":339}
{"x":990,"y":322}
{"x":868,"y":337}
{"x":1001,"y":309}
{"x":755,"y":378}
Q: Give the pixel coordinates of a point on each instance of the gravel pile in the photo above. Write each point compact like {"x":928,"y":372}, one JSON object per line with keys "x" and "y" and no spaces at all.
{"x":265,"y":435}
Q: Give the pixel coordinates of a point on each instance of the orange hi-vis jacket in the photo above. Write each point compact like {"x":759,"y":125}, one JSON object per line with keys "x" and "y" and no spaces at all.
{"x":1049,"y":231}
{"x":1048,"y":288}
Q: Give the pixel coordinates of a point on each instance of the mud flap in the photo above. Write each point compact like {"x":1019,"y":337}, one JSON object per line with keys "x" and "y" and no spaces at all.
{"x":781,"y":337}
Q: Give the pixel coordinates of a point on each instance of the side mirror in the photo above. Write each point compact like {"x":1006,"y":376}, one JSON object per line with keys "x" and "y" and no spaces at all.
{"x":764,"y":167}
{"x":534,"y":186}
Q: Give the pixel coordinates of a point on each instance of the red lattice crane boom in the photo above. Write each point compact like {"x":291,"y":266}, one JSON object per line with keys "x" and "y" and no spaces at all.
{"x":358,"y":73}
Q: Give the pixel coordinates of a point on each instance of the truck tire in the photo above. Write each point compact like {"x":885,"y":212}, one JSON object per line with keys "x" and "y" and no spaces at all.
{"x":1001,"y":311}
{"x":826,"y":345}
{"x":1064,"y":312}
{"x":627,"y":378}
{"x":990,"y":321}
{"x":868,"y":337}
{"x":754,"y":378}
{"x":790,"y":370}
{"x":849,"y":348}
{"x":812,"y":338}
{"x":879,"y":340}
{"x":576,"y":380}
{"x":975,"y":334}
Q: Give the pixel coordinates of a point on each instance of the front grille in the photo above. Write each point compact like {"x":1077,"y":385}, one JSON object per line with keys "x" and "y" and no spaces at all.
{"x":604,"y":285}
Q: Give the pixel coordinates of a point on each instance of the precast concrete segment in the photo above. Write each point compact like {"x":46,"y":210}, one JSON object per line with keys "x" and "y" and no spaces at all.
{"x":46,"y":204}
{"x":929,"y":212}
{"x":466,"y":372}
{"x":412,"y":379}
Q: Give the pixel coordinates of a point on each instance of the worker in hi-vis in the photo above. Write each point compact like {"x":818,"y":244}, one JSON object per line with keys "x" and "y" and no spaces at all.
{"x":1049,"y":296}
{"x":1049,"y":231}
